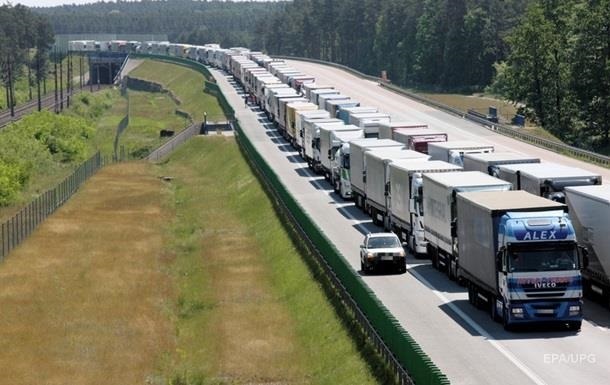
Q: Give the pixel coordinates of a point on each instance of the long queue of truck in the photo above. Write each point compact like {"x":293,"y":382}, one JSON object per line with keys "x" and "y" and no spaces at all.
{"x":497,"y":222}
{"x":526,"y":237}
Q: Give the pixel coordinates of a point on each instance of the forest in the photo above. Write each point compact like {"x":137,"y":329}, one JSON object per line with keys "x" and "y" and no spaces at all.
{"x":550,"y":56}
{"x":25,"y":40}
{"x":186,"y":21}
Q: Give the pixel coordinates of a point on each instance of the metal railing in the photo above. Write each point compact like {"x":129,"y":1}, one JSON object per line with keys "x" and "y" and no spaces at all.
{"x":174,"y":142}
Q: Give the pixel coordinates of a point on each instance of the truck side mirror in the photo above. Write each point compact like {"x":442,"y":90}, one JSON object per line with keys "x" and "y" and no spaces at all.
{"x":412,"y":205}
{"x":387,"y":189}
{"x":584,"y":257}
{"x":328,"y":154}
{"x":301,"y":133}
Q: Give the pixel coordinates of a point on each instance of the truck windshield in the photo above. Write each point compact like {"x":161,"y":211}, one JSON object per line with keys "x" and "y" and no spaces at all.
{"x":383,"y":242}
{"x":542,"y":259}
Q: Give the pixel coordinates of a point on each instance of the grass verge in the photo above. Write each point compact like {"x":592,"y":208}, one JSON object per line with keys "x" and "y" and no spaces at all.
{"x":84,"y":299}
{"x":187,"y":85}
{"x":248,"y":309}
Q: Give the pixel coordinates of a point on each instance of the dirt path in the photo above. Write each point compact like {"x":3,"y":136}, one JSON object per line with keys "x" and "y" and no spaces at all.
{"x":83,"y":300}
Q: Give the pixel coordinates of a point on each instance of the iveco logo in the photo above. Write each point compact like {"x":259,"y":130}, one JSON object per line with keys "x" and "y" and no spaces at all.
{"x":545,"y":285}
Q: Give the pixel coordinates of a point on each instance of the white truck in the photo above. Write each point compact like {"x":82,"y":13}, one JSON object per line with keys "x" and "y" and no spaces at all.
{"x":324,"y":98}
{"x":327,"y":137}
{"x":440,"y":191}
{"x":547,"y":180}
{"x":339,"y":162}
{"x":291,"y":116}
{"x":271,"y":90}
{"x":281,"y":114}
{"x":334,"y":106}
{"x":345,"y":113}
{"x":314,"y":94}
{"x":590,"y":215}
{"x":369,"y":122}
{"x":417,"y":139}
{"x":308,"y":87}
{"x":453,"y":151}
{"x":357,"y":167}
{"x":311,"y":138}
{"x":386,"y":130}
{"x":300,"y":117}
{"x":377,"y":179}
{"x":316,"y":144}
{"x":490,"y":162}
{"x":406,"y":200}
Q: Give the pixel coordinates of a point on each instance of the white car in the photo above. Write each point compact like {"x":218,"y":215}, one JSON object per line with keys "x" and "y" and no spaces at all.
{"x":379,"y":249}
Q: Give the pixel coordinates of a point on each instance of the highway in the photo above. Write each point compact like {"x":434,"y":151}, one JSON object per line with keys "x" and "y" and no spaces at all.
{"x":464,"y":342}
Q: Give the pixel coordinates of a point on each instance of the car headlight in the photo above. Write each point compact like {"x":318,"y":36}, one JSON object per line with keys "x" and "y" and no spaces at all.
{"x":402,"y":254}
{"x":370,"y":255}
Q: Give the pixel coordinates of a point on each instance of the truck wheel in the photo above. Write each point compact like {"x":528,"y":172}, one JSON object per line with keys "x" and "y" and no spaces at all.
{"x":470,"y":294}
{"x":492,"y":309}
{"x":508,"y":327}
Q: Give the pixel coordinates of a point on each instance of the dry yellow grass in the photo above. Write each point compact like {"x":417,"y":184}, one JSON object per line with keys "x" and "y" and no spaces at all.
{"x":83,"y":300}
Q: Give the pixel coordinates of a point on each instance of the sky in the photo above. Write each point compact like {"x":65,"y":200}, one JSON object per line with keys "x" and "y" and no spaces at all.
{"x":51,"y":3}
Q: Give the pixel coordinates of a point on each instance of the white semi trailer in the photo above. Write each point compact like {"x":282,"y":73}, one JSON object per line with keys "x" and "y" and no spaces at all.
{"x":357,"y":167}
{"x":377,"y":179}
{"x":440,"y":206}
{"x":406,"y":200}
{"x":490,"y":162}
{"x":590,"y":215}
{"x":547,"y":180}
{"x":453,"y":151}
{"x":327,"y":132}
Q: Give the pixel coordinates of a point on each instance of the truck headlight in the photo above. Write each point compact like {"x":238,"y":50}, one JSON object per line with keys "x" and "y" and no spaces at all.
{"x":575,"y":310}
{"x":517,"y":312}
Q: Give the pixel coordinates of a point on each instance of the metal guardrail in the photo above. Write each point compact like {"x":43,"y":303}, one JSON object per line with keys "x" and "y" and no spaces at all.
{"x":560,"y":148}
{"x":174,"y":142}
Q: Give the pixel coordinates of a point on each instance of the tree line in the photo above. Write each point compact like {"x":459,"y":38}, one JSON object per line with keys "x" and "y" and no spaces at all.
{"x":551,"y":57}
{"x":444,"y":44}
{"x":25,"y":40}
{"x":186,"y":21}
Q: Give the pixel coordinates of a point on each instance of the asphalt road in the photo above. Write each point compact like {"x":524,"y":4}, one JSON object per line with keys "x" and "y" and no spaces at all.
{"x":465,"y":344}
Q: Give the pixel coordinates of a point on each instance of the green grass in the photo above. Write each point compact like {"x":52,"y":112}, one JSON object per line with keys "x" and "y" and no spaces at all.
{"x":187,"y":85}
{"x":248,"y":309}
{"x":148,"y":114}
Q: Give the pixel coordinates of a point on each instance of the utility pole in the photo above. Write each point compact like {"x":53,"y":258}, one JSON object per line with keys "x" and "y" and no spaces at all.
{"x":11,"y":92}
{"x":56,"y":85}
{"x":61,"y":82}
{"x":38,"y":80}
{"x":68,"y":81}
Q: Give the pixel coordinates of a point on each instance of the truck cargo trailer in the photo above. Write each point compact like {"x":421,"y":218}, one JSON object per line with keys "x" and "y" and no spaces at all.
{"x":406,"y":200}
{"x":418,"y":139}
{"x":377,"y":180}
{"x":490,"y":162}
{"x":357,"y":167}
{"x":453,"y":151}
{"x":547,"y":180}
{"x":440,"y":190}
{"x":590,"y":215}
{"x":386,"y":130}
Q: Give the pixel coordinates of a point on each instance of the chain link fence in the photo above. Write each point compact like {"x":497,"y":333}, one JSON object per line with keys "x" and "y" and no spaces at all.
{"x":16,"y":229}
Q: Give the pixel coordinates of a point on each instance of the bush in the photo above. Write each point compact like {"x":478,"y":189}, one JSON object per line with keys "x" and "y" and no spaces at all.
{"x":9,"y":183}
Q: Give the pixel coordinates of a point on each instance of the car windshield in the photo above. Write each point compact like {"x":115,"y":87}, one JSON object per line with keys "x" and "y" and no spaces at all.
{"x":542,"y":260}
{"x":383,"y":242}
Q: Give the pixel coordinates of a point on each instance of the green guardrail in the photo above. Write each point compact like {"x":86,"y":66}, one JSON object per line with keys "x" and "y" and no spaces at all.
{"x":403,"y":347}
